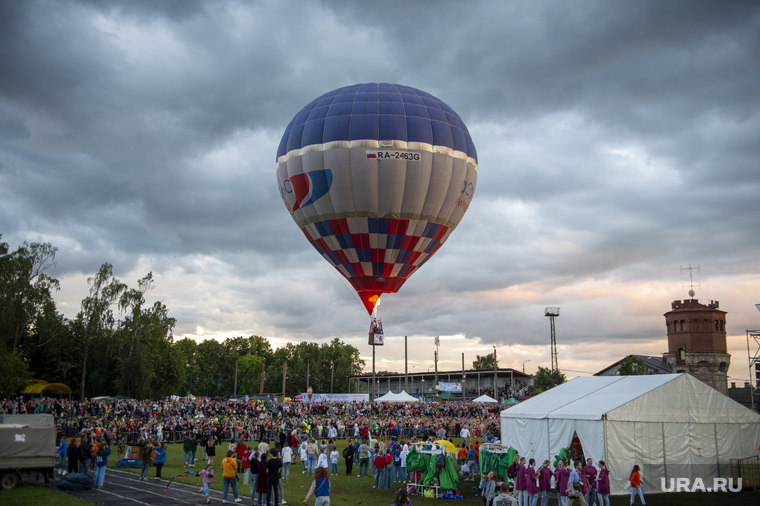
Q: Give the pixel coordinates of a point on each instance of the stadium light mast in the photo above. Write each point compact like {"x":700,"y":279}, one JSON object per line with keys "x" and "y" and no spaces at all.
{"x":754,"y":363}
{"x":553,"y":312}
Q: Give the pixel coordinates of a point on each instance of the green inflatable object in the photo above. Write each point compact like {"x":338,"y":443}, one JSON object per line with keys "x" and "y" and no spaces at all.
{"x":425,"y":463}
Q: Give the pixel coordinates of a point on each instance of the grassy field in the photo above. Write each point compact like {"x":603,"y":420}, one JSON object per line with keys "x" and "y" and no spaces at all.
{"x":353,"y":491}
{"x":28,"y":494}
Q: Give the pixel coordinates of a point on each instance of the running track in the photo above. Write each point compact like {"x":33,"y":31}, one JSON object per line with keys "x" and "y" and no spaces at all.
{"x":125,"y":488}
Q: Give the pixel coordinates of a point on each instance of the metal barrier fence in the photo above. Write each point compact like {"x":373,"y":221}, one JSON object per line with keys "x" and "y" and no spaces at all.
{"x":178,"y":436}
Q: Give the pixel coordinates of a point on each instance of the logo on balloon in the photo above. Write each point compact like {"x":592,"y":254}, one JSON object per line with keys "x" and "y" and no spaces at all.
{"x":307,"y":187}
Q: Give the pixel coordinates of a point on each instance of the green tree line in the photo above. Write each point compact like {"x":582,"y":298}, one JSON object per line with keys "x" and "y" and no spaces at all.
{"x":120,"y":345}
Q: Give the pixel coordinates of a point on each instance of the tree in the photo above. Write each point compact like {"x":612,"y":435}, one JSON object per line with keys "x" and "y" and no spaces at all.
{"x":25,"y":289}
{"x":632,"y":366}
{"x":143,"y":344}
{"x":14,"y":374}
{"x":96,"y":312}
{"x":546,"y":379}
{"x":484,"y":363}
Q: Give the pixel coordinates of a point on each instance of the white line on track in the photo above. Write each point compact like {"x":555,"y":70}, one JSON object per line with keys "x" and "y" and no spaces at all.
{"x":160,"y":485}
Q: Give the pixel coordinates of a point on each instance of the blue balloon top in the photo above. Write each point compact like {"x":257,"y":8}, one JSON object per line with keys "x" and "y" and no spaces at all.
{"x":377,"y":112}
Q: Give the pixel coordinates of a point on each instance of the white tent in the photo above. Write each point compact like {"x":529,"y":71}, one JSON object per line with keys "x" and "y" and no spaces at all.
{"x":672,"y":425}
{"x":485,"y":398}
{"x":399,"y":397}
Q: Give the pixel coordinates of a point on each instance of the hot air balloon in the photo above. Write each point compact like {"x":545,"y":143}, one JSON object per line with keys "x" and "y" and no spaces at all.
{"x":376,"y":176}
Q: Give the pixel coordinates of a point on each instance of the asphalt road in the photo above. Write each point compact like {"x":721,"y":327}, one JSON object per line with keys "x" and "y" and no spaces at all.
{"x":124,"y":488}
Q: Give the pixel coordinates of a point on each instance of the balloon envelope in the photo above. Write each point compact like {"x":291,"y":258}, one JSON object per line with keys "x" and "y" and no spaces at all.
{"x":376,"y":176}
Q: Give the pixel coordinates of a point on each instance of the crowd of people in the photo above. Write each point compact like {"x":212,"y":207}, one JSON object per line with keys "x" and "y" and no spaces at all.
{"x":171,"y":420}
{"x":378,"y":438}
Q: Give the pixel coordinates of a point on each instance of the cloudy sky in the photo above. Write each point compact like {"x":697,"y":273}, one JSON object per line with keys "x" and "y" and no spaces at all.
{"x":618,"y":142}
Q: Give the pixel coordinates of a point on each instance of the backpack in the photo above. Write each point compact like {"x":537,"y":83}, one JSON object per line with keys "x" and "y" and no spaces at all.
{"x":345,"y":453}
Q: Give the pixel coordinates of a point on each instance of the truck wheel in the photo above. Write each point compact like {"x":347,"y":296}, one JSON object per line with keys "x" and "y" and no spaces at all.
{"x":9,"y":480}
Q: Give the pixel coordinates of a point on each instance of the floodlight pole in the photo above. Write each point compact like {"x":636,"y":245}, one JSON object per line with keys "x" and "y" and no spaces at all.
{"x":372,"y":399}
{"x":553,"y":312}
{"x":754,"y":364}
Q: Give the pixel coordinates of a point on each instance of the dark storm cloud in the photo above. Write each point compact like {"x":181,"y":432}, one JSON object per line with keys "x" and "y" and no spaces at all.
{"x":616,"y":142}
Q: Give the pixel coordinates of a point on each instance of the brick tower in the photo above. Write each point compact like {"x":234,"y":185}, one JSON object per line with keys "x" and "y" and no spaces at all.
{"x":697,"y":342}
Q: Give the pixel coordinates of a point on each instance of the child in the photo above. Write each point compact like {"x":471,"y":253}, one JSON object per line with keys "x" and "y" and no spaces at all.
{"x":636,"y":485}
{"x":504,"y":498}
{"x":254,"y":467}
{"x":334,"y":456}
{"x":531,"y":485}
{"x":246,"y":465}
{"x":208,"y":478}
{"x":402,"y":498}
{"x":603,"y":484}
{"x":101,"y":461}
{"x":489,"y":488}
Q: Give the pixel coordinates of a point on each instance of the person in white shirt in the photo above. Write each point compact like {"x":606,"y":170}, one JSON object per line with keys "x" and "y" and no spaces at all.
{"x":464,"y":433}
{"x":404,"y":473}
{"x":287,"y":459}
{"x":334,"y":456}
{"x":322,"y":460}
{"x":303,"y":455}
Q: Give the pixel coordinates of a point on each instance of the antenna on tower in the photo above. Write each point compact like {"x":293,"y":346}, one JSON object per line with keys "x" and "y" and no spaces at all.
{"x":551,"y":312}
{"x":691,"y":279}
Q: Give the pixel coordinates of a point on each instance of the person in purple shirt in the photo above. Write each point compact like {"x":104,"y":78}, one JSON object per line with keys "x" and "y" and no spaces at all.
{"x":590,"y":480}
{"x":544,"y":482}
{"x":603,"y":484}
{"x":561,"y":475}
{"x":584,"y":486}
{"x":530,"y":482}
{"x":520,"y":485}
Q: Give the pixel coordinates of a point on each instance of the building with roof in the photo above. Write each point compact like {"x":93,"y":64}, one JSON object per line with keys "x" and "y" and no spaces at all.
{"x":474,"y":381}
{"x":654,"y":365}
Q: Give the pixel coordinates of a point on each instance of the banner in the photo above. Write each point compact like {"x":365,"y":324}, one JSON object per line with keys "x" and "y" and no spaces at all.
{"x":312,"y":397}
{"x":450,"y":387}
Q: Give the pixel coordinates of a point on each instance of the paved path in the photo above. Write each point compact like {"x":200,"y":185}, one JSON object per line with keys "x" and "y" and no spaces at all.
{"x":125,"y":488}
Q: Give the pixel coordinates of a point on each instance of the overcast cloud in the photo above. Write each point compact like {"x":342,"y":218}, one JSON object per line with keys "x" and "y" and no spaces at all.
{"x":617,"y":142}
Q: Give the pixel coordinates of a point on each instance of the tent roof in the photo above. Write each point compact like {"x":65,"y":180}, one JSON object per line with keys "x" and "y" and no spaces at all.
{"x":399,"y":397}
{"x":659,"y":397}
{"x":484,"y":398}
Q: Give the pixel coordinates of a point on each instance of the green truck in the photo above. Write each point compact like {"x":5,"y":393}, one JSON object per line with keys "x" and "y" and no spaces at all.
{"x":27,"y":446}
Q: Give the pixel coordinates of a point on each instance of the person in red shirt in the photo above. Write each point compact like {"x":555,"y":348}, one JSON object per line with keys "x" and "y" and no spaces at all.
{"x":379,"y":470}
{"x":246,"y":465}
{"x":636,"y":485}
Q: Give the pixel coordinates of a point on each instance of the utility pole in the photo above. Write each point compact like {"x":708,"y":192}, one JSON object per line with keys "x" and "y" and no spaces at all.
{"x":464,"y":395}
{"x":406,"y":365}
{"x":332,"y":375}
{"x":284,"y":376}
{"x":234,"y":390}
{"x":437,"y":344}
{"x":308,"y":365}
{"x":495,"y":387}
{"x":263,"y":368}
